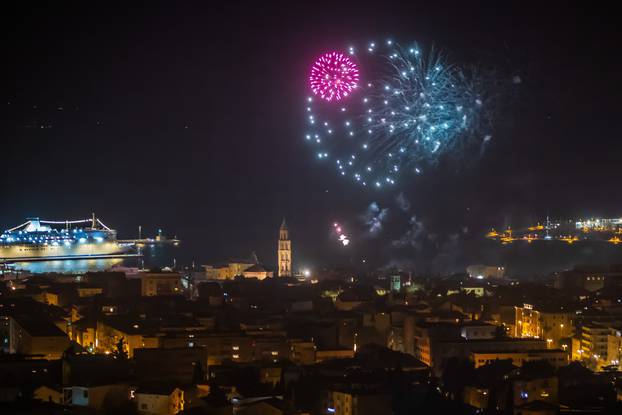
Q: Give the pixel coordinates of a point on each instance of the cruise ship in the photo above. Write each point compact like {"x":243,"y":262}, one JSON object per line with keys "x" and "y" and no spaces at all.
{"x":39,"y":240}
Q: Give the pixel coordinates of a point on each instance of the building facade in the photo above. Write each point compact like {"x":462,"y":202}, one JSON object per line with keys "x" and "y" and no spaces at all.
{"x":557,"y":358}
{"x":614,"y":347}
{"x":159,"y":400}
{"x":160,"y":283}
{"x":358,"y":403}
{"x":284,"y":252}
{"x":30,"y":336}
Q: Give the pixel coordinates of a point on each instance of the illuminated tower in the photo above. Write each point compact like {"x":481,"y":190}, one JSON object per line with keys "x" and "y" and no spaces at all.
{"x":284,"y":252}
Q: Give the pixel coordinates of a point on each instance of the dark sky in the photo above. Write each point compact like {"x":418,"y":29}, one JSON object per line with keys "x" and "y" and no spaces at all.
{"x":188,"y":116}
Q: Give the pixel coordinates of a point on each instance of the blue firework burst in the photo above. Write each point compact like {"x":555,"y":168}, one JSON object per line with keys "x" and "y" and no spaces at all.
{"x":412,"y":108}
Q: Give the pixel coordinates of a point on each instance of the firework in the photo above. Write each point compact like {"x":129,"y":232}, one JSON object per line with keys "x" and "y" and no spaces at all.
{"x":341,"y":236}
{"x":333,"y":76}
{"x":412,"y":108}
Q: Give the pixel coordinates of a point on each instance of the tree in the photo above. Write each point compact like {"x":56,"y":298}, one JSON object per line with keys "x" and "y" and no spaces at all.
{"x":216,"y":397}
{"x":500,"y":332}
{"x":198,"y":374}
{"x":70,"y":351}
{"x":120,"y":352}
{"x":457,"y":373}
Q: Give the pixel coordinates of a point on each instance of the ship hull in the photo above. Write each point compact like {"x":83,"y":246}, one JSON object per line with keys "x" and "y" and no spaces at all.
{"x":28,"y":252}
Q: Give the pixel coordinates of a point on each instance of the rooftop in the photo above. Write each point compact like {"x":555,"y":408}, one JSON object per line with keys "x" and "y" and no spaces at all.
{"x":157,"y":388}
{"x":38,"y":327}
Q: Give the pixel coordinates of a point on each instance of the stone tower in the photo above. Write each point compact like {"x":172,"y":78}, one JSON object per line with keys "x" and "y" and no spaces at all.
{"x":284,"y":252}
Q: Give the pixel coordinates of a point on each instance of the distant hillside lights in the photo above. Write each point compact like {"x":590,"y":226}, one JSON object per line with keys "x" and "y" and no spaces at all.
{"x":600,"y":224}
{"x":568,"y":231}
{"x":485,"y":271}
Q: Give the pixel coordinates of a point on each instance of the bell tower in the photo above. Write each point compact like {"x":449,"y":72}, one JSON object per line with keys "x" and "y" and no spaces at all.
{"x":284,"y":252}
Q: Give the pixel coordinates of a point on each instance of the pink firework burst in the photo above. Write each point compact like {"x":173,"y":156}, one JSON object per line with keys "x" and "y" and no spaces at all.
{"x":333,"y":76}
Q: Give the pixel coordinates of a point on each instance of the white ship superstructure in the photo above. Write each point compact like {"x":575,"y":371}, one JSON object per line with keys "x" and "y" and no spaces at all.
{"x":39,"y":239}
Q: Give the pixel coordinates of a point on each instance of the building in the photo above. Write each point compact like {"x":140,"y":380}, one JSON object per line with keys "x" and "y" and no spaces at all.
{"x":522,"y":321}
{"x":556,"y":357}
{"x":270,"y":347}
{"x":284,"y":252}
{"x":221,"y":346}
{"x":396,"y":283}
{"x":87,"y":290}
{"x":555,"y":326}
{"x":476,"y":396}
{"x":614,"y":347}
{"x":528,"y":389}
{"x":267,"y":406}
{"x":548,"y":323}
{"x":229,"y":270}
{"x":575,"y":348}
{"x":472,"y":330}
{"x":420,"y":336}
{"x":174,"y":364}
{"x":595,"y":342}
{"x":474,"y":287}
{"x":433,"y":343}
{"x":35,"y":336}
{"x":354,"y":298}
{"x":43,"y":296}
{"x":358,"y":403}
{"x":139,"y":331}
{"x":590,"y":278}
{"x":302,"y":352}
{"x":132,"y":333}
{"x":46,"y":393}
{"x":537,"y":408}
{"x":83,"y":332}
{"x":160,"y":283}
{"x":97,"y":397}
{"x":322,"y":355}
{"x":159,"y":400}
{"x":257,"y":271}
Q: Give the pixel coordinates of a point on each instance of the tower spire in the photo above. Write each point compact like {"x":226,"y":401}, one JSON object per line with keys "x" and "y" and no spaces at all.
{"x":284,"y":252}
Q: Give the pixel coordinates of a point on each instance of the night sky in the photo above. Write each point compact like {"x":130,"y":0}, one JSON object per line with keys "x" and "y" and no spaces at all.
{"x":189,"y":117}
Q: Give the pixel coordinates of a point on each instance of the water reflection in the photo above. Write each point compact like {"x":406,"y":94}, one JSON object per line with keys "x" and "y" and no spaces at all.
{"x":152,"y":257}
{"x":71,"y":266}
